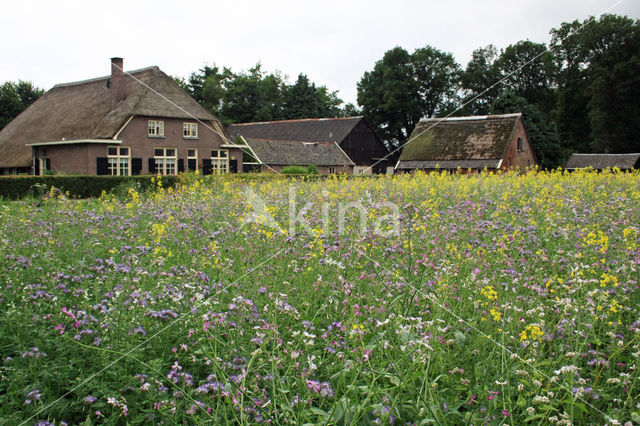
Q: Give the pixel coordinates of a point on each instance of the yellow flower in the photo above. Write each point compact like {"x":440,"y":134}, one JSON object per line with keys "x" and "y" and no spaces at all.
{"x":531,"y":332}
{"x":496,"y":314}
{"x":489,"y":293}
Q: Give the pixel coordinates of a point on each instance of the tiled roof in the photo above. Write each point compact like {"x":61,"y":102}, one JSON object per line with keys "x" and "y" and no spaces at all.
{"x":83,"y":110}
{"x":602,"y":161}
{"x":457,"y":141}
{"x":285,"y":153}
{"x":304,"y":130}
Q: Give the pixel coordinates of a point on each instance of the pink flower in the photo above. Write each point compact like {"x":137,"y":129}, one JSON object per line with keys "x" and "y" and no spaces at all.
{"x":60,"y":327}
{"x":505,"y":413}
{"x":68,"y":312}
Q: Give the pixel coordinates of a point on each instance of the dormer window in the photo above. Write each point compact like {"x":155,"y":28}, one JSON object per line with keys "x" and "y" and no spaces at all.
{"x":190,"y":130}
{"x":520,"y":144}
{"x":156,"y":128}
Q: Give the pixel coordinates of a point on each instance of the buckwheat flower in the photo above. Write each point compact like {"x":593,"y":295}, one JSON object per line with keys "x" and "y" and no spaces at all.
{"x":567,"y":369}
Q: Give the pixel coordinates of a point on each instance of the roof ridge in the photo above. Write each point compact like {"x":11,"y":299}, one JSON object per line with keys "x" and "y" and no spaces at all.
{"x":287,"y":141}
{"x":95,"y":79}
{"x":474,"y":117}
{"x":300,"y":120}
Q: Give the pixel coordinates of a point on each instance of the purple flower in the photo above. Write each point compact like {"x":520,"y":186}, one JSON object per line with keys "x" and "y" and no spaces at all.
{"x":90,"y":399}
{"x":138,"y":329}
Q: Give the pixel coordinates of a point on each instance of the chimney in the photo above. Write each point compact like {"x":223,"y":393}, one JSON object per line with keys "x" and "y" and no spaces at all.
{"x":117,"y":81}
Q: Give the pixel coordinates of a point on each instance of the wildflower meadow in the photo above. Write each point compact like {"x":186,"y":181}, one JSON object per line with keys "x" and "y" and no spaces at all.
{"x":437,"y":298}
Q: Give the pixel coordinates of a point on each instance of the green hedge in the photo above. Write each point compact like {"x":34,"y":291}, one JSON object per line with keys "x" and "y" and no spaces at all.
{"x":16,"y":187}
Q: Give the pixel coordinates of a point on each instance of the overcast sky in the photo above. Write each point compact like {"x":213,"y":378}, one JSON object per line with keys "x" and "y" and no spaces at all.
{"x":333,"y":42}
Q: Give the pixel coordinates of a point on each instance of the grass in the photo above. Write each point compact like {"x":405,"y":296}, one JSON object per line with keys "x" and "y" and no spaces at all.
{"x":409,"y":299}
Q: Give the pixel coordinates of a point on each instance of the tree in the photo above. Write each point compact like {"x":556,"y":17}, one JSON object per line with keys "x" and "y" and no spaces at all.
{"x":389,"y":96}
{"x":302,"y":99}
{"x":15,"y":98}
{"x":437,"y":75}
{"x":403,"y":88}
{"x":543,"y":133}
{"x":254,"y":95}
{"x":528,"y":70}
{"x":479,"y":80}
{"x":598,"y":106}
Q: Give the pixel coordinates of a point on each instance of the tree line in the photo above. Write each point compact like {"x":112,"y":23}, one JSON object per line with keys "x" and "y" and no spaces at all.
{"x":581,"y":93}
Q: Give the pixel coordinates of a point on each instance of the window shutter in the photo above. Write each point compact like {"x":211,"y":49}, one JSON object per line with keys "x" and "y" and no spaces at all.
{"x":152,"y":165}
{"x":102,"y":166}
{"x":180,"y":165}
{"x":36,"y":169}
{"x":233,"y":166}
{"x":192,"y":164}
{"x":136,"y":166}
{"x":206,"y":166}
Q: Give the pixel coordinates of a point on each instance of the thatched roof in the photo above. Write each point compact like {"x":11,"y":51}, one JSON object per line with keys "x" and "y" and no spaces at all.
{"x":303,"y":130}
{"x":83,"y":110}
{"x":603,"y":161}
{"x":298,"y":153}
{"x":459,"y":142}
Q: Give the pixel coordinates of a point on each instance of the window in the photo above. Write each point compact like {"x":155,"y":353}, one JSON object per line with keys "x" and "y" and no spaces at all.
{"x":520,"y":144}
{"x":43,"y":165}
{"x":119,"y":160}
{"x":192,"y":159}
{"x":156,"y":128}
{"x":332,"y":170}
{"x":219,"y":161}
{"x":190,"y":130}
{"x":165,"y":159}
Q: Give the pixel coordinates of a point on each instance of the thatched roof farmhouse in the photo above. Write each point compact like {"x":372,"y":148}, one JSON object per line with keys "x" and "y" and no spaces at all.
{"x":124,"y":123}
{"x":478,"y":142}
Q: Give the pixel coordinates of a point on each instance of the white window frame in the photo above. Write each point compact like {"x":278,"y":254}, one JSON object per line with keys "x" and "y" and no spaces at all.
{"x":166,"y":164}
{"x":190,"y":130}
{"x":332,"y":170}
{"x":219,"y":161}
{"x":155,"y":129}
{"x":119,"y":164}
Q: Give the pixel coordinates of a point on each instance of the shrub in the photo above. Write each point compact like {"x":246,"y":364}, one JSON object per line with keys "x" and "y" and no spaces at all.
{"x":17,"y":187}
{"x":312,"y":169}
{"x":295,"y":170}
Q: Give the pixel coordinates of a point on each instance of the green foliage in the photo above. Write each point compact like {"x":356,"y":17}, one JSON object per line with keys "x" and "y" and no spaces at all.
{"x":598,"y":107}
{"x":255,"y":95}
{"x":403,"y":88}
{"x":543,"y":132}
{"x":17,"y":187}
{"x":295,"y":170}
{"x":529,"y":71}
{"x":479,"y":81}
{"x":312,"y":169}
{"x":15,"y":98}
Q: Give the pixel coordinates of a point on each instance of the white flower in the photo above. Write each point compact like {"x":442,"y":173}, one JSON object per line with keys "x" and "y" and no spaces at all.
{"x":567,"y":369}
